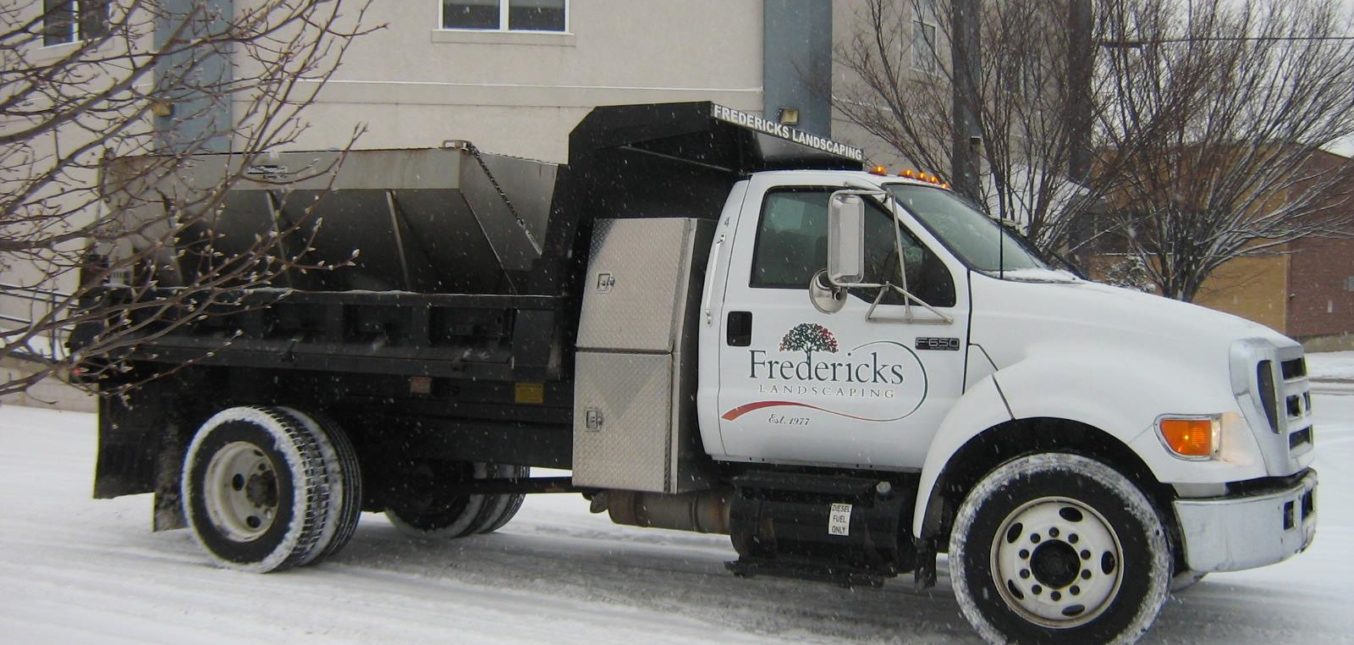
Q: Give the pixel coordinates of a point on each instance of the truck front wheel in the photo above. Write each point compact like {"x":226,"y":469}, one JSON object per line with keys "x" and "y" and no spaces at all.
{"x":1059,"y":548}
{"x":260,"y":489}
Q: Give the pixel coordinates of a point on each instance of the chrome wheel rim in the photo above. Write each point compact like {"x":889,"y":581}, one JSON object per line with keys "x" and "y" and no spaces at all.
{"x":1057,"y":562}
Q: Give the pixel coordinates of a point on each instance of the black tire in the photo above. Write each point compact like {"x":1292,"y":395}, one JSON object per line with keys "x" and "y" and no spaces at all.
{"x":1059,"y":548}
{"x":256,"y":489}
{"x":345,"y":480}
{"x":427,"y":516}
{"x":511,"y":503}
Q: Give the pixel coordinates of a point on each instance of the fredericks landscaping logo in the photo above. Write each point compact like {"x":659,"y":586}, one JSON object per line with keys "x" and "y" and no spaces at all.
{"x":886,"y":377}
{"x":808,"y":337}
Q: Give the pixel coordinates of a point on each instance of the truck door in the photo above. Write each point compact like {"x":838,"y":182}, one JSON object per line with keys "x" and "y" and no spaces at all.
{"x":801,"y":386}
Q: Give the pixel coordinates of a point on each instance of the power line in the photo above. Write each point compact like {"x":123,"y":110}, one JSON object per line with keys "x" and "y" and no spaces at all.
{"x":1133,"y":44}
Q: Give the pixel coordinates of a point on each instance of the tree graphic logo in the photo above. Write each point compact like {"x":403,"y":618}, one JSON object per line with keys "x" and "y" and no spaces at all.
{"x":808,"y":337}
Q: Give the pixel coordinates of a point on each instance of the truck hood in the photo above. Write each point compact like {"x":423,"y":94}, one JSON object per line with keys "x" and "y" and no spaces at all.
{"x":1012,"y":317}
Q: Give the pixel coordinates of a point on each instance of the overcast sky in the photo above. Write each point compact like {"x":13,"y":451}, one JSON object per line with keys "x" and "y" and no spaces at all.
{"x":1346,"y":147}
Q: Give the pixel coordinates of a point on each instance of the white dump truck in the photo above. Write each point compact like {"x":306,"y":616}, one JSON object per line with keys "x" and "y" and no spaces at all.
{"x":717,"y":324}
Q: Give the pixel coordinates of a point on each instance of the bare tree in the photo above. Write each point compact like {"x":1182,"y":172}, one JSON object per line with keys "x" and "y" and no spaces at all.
{"x":900,"y":89}
{"x":83,"y":82}
{"x":1215,"y":114}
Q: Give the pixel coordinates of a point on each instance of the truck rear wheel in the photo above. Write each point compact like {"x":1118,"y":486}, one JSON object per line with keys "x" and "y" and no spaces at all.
{"x":258,"y":488}
{"x":429,"y":515}
{"x":347,"y":494}
{"x":1059,"y":548}
{"x":509,"y":504}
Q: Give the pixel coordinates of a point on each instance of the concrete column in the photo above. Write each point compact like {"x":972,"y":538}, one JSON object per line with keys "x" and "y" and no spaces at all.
{"x":797,"y":62}
{"x":193,"y":112}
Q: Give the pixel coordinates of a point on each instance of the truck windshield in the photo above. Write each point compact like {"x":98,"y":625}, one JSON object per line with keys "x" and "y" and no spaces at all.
{"x":967,"y":232}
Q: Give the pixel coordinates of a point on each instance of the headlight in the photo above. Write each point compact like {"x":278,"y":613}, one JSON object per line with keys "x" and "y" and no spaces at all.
{"x":1191,"y":436}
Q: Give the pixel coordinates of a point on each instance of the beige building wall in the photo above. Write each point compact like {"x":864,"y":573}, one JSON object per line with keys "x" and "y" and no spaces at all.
{"x":1255,"y":288}
{"x":67,"y":203}
{"x":412,"y":84}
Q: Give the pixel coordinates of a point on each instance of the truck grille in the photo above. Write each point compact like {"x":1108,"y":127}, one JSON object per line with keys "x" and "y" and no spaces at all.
{"x":1287,"y":404}
{"x":1271,"y":384}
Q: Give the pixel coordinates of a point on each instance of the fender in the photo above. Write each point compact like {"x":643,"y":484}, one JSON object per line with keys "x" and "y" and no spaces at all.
{"x":1119,"y":393}
{"x":981,"y":407}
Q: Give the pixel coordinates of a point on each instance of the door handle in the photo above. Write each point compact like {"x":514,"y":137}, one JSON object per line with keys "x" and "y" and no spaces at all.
{"x":710,"y":280}
{"x":738,"y":332}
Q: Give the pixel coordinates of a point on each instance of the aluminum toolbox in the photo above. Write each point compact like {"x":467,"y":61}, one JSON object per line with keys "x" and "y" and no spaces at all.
{"x":635,"y":376}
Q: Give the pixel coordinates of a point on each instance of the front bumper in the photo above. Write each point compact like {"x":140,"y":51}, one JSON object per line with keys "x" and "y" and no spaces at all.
{"x":1248,"y":530}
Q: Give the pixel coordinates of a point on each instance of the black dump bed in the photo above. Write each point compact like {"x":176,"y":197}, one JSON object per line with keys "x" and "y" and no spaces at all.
{"x":444,"y":262}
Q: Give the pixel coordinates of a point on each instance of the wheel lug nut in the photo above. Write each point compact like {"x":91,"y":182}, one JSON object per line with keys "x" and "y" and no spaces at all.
{"x":1085,"y":555}
{"x":1073,"y":538}
{"x":1056,"y":596}
{"x":1075,"y":590}
{"x":1024,"y":554}
{"x":1053,"y":532}
{"x":1034,"y":537}
{"x":1037,"y":590}
{"x":1085,"y":574}
{"x":1024,"y":574}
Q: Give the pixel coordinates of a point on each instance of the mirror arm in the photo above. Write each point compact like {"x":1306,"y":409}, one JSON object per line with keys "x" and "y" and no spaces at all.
{"x":909,"y":298}
{"x":902,"y":264}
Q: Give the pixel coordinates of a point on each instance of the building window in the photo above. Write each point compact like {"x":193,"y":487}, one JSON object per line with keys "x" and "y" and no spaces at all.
{"x":924,"y":56}
{"x":506,"y":15}
{"x":68,"y":21}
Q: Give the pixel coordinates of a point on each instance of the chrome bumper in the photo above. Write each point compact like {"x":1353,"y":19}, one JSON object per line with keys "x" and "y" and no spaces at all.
{"x":1250,"y":530}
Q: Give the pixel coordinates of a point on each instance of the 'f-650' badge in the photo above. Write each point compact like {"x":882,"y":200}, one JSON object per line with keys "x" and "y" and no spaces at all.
{"x":878,"y":381}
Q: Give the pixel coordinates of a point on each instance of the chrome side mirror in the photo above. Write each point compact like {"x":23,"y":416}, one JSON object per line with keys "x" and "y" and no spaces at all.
{"x":825,"y":296}
{"x":845,"y":238}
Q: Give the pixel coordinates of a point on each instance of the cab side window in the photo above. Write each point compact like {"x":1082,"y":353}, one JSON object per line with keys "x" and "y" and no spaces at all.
{"x":791,"y":239}
{"x":792,"y":245}
{"x":927,"y":277}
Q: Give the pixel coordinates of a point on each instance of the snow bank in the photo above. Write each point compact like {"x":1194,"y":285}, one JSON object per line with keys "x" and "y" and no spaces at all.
{"x":1329,"y":366}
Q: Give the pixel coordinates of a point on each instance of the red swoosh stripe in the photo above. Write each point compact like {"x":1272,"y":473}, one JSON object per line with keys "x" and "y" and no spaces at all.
{"x":758,"y":405}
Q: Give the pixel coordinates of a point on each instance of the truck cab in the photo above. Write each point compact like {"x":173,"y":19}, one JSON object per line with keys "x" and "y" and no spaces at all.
{"x":952,"y":347}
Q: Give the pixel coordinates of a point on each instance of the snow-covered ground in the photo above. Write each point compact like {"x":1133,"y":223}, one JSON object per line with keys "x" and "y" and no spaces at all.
{"x":73,"y":569}
{"x":1331,"y":366}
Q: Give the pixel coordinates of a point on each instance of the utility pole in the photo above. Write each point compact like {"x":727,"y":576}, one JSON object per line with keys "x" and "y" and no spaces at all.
{"x":1080,"y":51}
{"x":964,"y":56}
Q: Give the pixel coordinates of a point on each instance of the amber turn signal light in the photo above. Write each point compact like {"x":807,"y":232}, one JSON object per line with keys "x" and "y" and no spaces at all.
{"x":1196,"y":438}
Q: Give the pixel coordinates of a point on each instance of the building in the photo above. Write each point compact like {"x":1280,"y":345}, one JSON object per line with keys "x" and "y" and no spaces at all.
{"x":515,"y":76}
